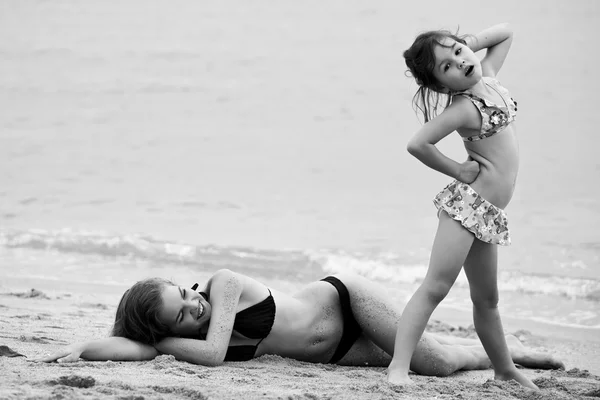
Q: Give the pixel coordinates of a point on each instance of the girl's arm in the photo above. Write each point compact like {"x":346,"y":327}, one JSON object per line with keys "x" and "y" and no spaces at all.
{"x":225,"y":289}
{"x":460,"y":114}
{"x":497,"y":40}
{"x":113,"y":348}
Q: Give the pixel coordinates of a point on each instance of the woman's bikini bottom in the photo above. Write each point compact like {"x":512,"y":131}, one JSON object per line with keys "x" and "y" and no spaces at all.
{"x":352,"y":330}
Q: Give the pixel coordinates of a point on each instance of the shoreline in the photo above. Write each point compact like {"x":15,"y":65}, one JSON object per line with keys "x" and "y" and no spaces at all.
{"x":511,"y":324}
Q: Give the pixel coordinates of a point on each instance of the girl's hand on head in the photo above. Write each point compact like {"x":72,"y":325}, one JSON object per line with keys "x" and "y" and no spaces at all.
{"x":468,"y":171}
{"x":69,"y":353}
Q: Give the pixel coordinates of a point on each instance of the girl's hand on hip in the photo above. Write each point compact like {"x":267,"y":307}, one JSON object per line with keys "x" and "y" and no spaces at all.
{"x":468,"y":171}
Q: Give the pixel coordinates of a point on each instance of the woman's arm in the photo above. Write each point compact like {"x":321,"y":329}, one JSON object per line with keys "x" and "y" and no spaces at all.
{"x":225,"y":289}
{"x":497,"y":40}
{"x":112,"y":348}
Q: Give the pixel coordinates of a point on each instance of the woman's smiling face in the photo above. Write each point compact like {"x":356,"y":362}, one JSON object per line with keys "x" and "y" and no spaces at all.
{"x":184,"y":311}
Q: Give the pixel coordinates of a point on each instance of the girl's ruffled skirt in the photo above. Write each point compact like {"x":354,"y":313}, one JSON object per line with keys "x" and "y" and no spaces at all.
{"x":486,"y":221}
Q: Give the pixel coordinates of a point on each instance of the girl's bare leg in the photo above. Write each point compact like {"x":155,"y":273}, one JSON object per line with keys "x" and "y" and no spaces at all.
{"x":450,"y":248}
{"x":481,"y":267}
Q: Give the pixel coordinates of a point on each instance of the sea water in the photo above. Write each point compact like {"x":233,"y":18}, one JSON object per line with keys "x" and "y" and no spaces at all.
{"x":142,"y":138}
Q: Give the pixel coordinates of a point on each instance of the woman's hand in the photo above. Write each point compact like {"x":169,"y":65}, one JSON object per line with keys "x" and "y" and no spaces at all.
{"x":468,"y":171}
{"x":113,"y":348}
{"x":70,"y":353}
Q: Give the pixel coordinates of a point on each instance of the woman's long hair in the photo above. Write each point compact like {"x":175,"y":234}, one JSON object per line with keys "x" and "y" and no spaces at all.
{"x":137,"y":313}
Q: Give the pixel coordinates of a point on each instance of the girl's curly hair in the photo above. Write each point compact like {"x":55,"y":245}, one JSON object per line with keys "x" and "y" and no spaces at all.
{"x":420,"y":60}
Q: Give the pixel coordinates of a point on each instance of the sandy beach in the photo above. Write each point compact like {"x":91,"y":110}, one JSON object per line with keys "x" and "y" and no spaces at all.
{"x":150,"y":138}
{"x":35,"y":322}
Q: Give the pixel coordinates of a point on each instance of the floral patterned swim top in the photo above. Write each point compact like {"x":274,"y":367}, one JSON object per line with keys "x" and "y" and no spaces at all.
{"x":494,"y":118}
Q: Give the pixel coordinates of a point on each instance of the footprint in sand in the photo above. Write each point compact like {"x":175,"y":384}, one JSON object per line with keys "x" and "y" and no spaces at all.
{"x":94,"y":305}
{"x":37,"y":339}
{"x":33,"y":293}
{"x":6,"y":351}
{"x":74,"y":381}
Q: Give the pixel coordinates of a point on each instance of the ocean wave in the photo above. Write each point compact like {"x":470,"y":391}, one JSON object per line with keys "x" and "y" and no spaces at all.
{"x":154,"y":250}
{"x":385,"y":267}
{"x":391,"y":268}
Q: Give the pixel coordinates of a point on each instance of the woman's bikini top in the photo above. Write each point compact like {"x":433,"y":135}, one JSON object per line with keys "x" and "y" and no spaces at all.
{"x":255,"y":322}
{"x":494,"y":118}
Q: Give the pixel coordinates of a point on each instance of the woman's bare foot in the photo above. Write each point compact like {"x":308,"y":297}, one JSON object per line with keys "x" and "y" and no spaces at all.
{"x":531,"y":359}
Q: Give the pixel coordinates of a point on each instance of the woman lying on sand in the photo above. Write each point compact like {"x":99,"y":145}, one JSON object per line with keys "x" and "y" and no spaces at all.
{"x":343,"y":319}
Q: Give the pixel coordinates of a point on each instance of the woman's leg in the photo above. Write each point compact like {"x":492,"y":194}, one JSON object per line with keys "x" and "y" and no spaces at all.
{"x":378,"y":316}
{"x":450,"y":248}
{"x":447,"y":339}
{"x":435,"y":354}
{"x":434,"y":357}
{"x":481,"y":268}
{"x":454,"y":349}
{"x":430,"y":358}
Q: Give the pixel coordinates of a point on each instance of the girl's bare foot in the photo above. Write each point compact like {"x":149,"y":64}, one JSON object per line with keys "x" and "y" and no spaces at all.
{"x":515,"y":374}
{"x":396,"y":378}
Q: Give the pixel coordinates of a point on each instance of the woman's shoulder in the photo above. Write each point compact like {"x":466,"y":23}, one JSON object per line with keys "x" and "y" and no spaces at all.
{"x":221,"y":278}
{"x":249,"y":286}
{"x":224,"y":273}
{"x":227,"y":274}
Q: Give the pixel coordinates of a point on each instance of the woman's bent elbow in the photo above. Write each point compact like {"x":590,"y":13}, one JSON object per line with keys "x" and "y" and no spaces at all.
{"x":413,"y":148}
{"x":210,"y":361}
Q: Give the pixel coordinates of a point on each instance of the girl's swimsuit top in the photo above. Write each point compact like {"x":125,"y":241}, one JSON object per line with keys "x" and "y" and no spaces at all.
{"x":494,"y":118}
{"x":255,"y":322}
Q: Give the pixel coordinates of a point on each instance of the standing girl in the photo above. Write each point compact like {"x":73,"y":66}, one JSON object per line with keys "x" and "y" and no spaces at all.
{"x":472,"y":222}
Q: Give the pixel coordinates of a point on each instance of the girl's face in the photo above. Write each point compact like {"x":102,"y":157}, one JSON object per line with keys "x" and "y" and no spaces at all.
{"x":184,"y":311}
{"x":456,"y":66}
